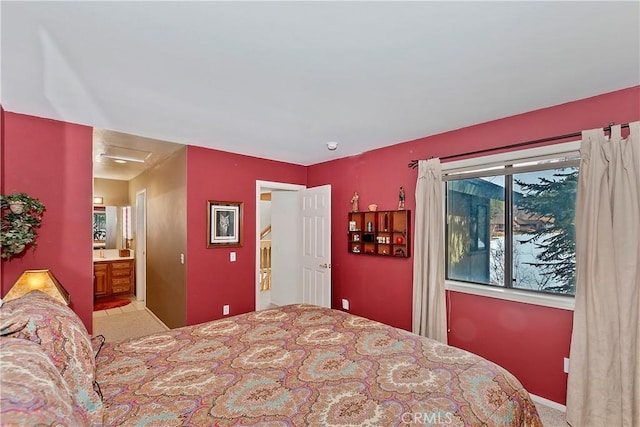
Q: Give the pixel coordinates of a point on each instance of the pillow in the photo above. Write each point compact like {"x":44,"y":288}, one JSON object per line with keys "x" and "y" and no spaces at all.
{"x":31,"y":388}
{"x":62,"y":336}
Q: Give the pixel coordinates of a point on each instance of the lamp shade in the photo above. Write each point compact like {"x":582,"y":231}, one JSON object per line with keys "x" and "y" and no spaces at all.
{"x":38,"y":280}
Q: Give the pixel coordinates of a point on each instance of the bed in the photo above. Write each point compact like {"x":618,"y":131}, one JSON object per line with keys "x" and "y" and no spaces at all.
{"x":294,"y":365}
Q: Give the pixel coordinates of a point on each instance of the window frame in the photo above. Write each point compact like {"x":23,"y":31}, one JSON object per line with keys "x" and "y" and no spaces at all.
{"x":569,"y":149}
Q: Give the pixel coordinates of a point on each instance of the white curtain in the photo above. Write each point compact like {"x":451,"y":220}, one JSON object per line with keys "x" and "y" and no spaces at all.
{"x":429,"y":307}
{"x":604,"y":371}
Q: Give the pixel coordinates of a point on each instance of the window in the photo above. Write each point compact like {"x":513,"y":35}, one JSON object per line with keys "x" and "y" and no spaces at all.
{"x":512,"y":225}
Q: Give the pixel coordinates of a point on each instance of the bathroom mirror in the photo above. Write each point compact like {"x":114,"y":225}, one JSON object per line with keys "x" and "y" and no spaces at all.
{"x":108,"y":231}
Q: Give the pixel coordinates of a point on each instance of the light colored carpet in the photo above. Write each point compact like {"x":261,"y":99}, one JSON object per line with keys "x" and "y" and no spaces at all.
{"x":132,"y":324}
{"x":551,"y":417}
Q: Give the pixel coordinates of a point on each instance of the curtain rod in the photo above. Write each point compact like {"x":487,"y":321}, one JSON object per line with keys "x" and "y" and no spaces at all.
{"x":414,"y":163}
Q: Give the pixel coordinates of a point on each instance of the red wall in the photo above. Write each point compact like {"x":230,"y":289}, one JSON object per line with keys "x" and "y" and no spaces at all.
{"x":534,"y":345}
{"x":51,"y":160}
{"x":379,"y":288}
{"x":531,"y":341}
{"x":212,"y":280}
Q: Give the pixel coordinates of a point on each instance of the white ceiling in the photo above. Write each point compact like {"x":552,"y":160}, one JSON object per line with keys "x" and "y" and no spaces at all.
{"x":125,"y":145}
{"x":280,"y":79}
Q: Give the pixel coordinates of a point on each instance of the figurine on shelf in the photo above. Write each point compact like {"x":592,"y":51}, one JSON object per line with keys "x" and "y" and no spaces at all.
{"x":401,"y":199}
{"x":354,"y":202}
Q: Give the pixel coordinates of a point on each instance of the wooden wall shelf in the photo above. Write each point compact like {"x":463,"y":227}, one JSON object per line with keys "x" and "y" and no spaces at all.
{"x":384,"y":233}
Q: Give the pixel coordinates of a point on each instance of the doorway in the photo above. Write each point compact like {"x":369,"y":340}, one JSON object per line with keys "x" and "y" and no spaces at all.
{"x":123,"y":167}
{"x":264,"y":219}
{"x":299,"y":244}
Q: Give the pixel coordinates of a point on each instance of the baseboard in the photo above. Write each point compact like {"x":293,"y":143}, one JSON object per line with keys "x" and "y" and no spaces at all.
{"x":157,"y":319}
{"x":547,"y":402}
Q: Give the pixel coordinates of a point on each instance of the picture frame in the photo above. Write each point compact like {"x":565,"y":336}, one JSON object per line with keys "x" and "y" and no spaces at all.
{"x":224,"y":224}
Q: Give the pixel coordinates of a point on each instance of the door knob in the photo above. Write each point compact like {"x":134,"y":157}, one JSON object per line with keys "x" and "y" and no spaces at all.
{"x":325,"y":265}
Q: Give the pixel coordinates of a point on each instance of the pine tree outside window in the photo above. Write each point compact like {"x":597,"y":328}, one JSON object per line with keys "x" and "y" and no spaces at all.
{"x":512,"y":225}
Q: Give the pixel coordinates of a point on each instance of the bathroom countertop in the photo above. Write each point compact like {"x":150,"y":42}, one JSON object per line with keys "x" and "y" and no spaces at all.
{"x":110,"y":255}
{"x":112,"y":258}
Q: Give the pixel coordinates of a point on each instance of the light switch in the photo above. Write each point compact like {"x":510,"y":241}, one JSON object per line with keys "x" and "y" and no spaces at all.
{"x":232,"y":257}
{"x":181,"y":258}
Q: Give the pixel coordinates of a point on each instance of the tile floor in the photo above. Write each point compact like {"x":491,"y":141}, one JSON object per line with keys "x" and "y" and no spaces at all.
{"x":133,"y":306}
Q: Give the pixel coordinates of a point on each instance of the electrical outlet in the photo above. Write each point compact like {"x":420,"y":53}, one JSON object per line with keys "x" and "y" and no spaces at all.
{"x":345,"y":303}
{"x":181,"y":258}
{"x":566,"y":365}
{"x":225,"y":310}
{"x":232,"y":257}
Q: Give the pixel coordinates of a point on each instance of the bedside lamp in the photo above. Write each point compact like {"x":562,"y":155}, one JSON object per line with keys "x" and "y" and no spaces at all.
{"x":38,"y":280}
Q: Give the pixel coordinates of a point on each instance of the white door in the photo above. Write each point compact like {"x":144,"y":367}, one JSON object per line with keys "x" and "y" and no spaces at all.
{"x":141,"y":245}
{"x":316,"y":245}
{"x":285,"y":244}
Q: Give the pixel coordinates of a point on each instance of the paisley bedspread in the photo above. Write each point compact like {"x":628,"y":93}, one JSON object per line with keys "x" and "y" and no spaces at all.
{"x":303,"y":365}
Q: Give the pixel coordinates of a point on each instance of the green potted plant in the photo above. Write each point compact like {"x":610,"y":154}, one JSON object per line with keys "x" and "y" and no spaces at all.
{"x":21,"y":218}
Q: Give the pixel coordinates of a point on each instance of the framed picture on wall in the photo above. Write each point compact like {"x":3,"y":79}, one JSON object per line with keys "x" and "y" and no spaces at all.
{"x":224,"y":224}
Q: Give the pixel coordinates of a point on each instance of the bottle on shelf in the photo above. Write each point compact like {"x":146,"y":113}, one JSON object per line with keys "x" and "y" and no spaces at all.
{"x":383,"y":233}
